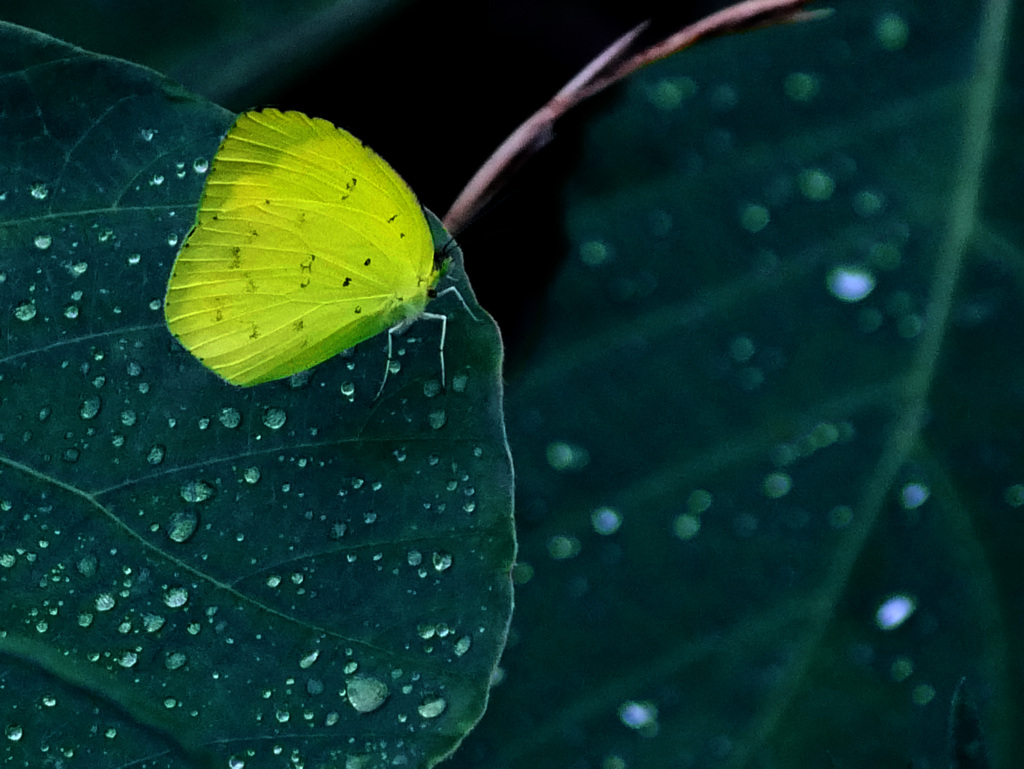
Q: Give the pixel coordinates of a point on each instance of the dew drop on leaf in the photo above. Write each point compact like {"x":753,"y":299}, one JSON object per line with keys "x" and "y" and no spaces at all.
{"x":432,"y":706}
{"x":366,"y":693}
{"x":182,"y":525}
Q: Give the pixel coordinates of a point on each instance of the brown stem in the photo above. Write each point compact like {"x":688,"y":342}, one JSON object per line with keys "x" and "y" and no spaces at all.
{"x":611,"y":66}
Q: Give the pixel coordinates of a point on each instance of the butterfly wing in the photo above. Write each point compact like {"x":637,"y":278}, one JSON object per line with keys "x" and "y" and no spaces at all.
{"x":306,"y":242}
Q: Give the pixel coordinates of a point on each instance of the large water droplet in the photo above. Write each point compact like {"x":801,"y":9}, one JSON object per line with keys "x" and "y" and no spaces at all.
{"x":182,"y":525}
{"x":850,"y":284}
{"x":127,"y":659}
{"x":462,"y":645}
{"x":366,"y":693}
{"x":196,"y":491}
{"x":105,"y":602}
{"x":432,"y":705}
{"x":25,"y":310}
{"x":176,"y":597}
{"x":229,"y":417}
{"x":638,"y":715}
{"x":894,"y":611}
{"x":175,"y":660}
{"x":274,"y":418}
{"x":90,"y":407}
{"x":442,"y":561}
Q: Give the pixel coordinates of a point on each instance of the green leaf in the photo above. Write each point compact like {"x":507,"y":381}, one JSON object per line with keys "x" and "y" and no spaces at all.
{"x":194,"y":574}
{"x":724,"y":469}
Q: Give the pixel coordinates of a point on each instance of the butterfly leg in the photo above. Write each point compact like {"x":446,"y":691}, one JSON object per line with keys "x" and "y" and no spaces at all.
{"x":444,"y":330}
{"x":458,"y":295}
{"x":387,"y":366}
{"x":400,"y":328}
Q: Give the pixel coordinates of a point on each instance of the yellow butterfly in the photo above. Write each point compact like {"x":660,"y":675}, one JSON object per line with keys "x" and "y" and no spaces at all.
{"x":306,"y":242}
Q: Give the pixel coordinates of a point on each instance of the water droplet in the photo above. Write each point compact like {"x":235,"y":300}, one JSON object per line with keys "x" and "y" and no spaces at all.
{"x":195,"y":491}
{"x":442,"y":561}
{"x":894,"y":611}
{"x":90,"y":407}
{"x":462,"y":645}
{"x":850,"y":284}
{"x":25,"y":310}
{"x":562,"y":547}
{"x":7,"y":560}
{"x":156,"y":455}
{"x":43,"y":242}
{"x":175,"y":660}
{"x":565,"y":456}
{"x":913,"y":495}
{"x":156,"y":180}
{"x":152,"y":622}
{"x":309,"y":659}
{"x":13,"y":732}
{"x":40,"y":191}
{"x":686,"y":526}
{"x":1014,"y":495}
{"x":274,"y":418}
{"x":923,"y":694}
{"x":366,"y":693}
{"x":892,"y":32}
{"x":754,"y":217}
{"x":105,"y":602}
{"x":182,"y":525}
{"x":638,"y":715}
{"x":867,"y":203}
{"x":801,"y":86}
{"x":176,"y":597}
{"x":251,"y":474}
{"x":127,"y":659}
{"x":172,"y":239}
{"x":816,"y":184}
{"x":606,"y":520}
{"x":777,"y":485}
{"x":201,"y":165}
{"x":432,"y":705}
{"x":147,"y":134}
{"x":438,"y":419}
{"x":229,"y":417}
{"x":71,"y":311}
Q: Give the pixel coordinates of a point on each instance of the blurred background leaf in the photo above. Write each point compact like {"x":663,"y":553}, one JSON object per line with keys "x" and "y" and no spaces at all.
{"x":761,"y":525}
{"x":195,"y":574}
